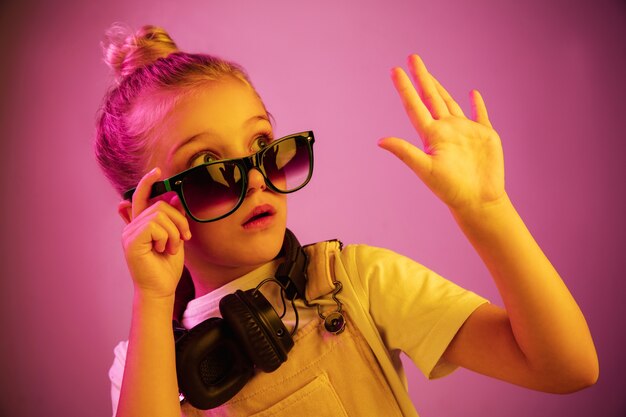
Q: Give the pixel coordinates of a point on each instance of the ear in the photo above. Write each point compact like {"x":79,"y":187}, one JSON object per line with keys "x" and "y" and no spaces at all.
{"x":125,"y":210}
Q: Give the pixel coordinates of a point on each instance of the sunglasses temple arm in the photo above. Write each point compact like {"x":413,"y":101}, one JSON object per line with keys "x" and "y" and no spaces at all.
{"x":158,"y":188}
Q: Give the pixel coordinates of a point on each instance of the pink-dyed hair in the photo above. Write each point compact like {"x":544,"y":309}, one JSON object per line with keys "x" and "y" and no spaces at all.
{"x":153,"y":75}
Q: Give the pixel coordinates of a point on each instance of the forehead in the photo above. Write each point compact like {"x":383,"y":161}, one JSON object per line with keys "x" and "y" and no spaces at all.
{"x":218,"y":108}
{"x":218,"y":105}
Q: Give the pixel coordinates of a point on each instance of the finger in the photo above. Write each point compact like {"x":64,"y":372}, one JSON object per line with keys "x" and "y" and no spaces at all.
{"x":427,"y":89}
{"x":163,"y":212}
{"x":141,"y":197}
{"x":479,"y":110}
{"x":408,"y":153}
{"x":179,"y":217}
{"x":160,"y":227}
{"x":158,"y":236}
{"x":452,"y":105}
{"x":414,"y":107}
{"x":172,"y":240}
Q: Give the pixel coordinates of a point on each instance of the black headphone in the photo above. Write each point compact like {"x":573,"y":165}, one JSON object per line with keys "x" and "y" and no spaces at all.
{"x":216,"y":358}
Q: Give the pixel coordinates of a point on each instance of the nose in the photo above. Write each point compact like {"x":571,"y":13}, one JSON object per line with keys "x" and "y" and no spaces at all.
{"x":255,"y":181}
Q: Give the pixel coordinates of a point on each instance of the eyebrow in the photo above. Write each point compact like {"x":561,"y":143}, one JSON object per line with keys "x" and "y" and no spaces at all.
{"x":195,"y":137}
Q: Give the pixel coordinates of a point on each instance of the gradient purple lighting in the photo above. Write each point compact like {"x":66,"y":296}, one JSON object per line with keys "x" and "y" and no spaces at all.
{"x":551,"y":74}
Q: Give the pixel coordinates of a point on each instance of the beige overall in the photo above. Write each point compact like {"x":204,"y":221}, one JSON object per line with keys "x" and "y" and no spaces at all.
{"x":391,"y":304}
{"x":326,"y":374}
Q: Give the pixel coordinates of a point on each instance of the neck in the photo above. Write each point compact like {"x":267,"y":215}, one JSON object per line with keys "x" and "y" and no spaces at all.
{"x":207,"y":278}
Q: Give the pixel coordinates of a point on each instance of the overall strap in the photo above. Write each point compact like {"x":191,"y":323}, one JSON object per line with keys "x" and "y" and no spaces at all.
{"x":327,"y":266}
{"x":321,"y":269}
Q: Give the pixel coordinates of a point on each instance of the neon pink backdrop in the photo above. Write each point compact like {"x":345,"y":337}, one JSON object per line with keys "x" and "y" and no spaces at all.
{"x":552,"y":74}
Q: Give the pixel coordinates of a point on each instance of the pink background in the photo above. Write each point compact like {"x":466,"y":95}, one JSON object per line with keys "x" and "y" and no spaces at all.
{"x":552,"y":74}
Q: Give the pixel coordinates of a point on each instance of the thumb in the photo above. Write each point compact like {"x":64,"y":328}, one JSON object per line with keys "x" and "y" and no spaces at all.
{"x":411,"y":155}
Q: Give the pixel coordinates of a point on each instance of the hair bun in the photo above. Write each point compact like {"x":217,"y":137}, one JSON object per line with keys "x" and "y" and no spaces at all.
{"x":125,"y":51}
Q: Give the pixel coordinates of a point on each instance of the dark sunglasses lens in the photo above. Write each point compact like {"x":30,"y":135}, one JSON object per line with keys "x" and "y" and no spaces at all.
{"x":213,"y":190}
{"x":287,"y":164}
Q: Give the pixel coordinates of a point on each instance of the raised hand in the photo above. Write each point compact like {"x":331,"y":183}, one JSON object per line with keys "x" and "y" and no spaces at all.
{"x":462,"y":160}
{"x":153,"y":241}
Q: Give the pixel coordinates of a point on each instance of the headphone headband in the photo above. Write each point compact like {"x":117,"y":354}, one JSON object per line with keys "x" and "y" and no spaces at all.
{"x":292,"y":273}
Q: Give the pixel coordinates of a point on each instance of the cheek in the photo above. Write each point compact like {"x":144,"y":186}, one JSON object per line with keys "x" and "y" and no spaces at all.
{"x":207,"y":235}
{"x":211,"y":242}
{"x":223,"y":247}
{"x":225,"y":241}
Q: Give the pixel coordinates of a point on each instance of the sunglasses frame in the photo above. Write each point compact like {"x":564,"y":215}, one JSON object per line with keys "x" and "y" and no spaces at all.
{"x":245,"y":164}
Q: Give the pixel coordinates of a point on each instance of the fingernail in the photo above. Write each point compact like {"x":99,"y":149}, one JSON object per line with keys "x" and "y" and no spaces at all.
{"x":187,"y":235}
{"x":380,"y":142}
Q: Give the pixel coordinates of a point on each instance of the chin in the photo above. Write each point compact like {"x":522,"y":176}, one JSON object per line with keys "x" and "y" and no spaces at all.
{"x":264,"y":245}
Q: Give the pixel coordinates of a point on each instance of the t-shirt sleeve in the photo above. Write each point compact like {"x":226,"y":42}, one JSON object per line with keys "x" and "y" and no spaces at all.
{"x":116,"y":372}
{"x":415,"y":310}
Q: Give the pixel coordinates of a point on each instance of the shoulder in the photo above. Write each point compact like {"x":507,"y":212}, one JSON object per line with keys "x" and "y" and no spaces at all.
{"x":368,"y":270}
{"x":374,"y":271}
{"x":355,"y":252}
{"x":390,"y":277}
{"x":360,"y":262}
{"x":372,"y":262}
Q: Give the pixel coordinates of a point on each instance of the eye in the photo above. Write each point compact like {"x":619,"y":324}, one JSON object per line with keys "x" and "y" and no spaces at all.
{"x":202,"y":158}
{"x":261,"y":142}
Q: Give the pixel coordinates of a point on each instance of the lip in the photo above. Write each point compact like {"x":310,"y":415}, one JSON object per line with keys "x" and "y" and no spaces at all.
{"x":252,"y":221}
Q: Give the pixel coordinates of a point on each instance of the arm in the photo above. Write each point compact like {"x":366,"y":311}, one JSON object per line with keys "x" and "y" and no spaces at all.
{"x":149,"y":386}
{"x":541,"y":340}
{"x":153,"y":246}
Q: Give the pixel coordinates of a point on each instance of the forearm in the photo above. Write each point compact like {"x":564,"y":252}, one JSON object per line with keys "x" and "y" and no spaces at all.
{"x":149,"y":387}
{"x":547,"y":324}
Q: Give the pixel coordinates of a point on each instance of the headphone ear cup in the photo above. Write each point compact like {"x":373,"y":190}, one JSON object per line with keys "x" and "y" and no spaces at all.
{"x":210,"y":364}
{"x":255,"y":322}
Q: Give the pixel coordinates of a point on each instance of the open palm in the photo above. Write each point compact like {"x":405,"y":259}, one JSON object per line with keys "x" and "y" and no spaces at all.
{"x":461,"y":160}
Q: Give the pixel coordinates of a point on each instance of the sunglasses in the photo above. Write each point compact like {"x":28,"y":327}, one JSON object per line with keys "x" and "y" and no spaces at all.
{"x":216,"y":189}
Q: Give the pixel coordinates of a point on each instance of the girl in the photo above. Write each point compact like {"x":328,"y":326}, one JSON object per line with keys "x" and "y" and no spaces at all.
{"x":175,"y":138}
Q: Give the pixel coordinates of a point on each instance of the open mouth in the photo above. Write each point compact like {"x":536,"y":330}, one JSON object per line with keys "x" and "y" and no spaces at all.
{"x":259,"y":214}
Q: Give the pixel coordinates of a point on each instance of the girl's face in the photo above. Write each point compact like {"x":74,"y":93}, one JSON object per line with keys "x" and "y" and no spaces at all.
{"x":225,"y":119}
